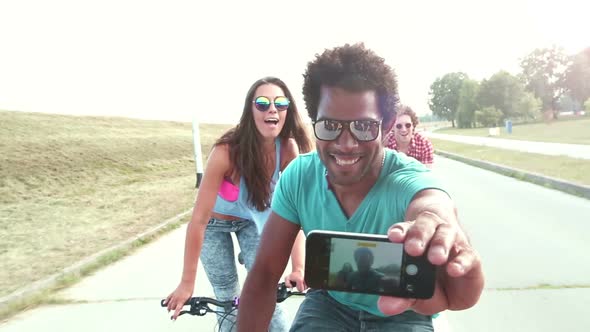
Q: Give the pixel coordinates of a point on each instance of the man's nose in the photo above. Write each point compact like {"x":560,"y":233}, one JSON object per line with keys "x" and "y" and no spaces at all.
{"x":346,"y":140}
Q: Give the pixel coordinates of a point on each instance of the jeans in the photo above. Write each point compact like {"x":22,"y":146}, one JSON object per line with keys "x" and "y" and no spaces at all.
{"x":320,"y":312}
{"x":217,"y":257}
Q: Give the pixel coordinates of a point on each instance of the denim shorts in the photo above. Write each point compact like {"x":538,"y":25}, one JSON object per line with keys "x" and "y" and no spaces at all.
{"x":218,"y":259}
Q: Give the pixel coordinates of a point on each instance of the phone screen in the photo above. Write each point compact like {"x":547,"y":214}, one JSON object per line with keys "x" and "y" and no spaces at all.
{"x":366,"y":263}
{"x":364,"y":266}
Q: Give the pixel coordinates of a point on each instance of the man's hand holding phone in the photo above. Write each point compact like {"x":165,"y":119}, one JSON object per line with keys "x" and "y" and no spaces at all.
{"x":459,"y":278}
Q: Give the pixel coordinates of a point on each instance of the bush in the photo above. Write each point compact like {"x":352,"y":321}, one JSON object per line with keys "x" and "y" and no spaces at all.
{"x":488,"y":116}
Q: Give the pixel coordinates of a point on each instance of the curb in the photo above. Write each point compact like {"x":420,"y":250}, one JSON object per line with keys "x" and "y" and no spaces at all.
{"x":53,"y":280}
{"x":546,"y":181}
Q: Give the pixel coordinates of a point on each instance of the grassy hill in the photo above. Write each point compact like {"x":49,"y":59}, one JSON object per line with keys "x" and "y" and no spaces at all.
{"x":71,"y":186}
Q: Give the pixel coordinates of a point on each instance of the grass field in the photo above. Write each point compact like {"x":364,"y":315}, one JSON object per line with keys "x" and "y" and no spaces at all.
{"x":563,"y":131}
{"x":571,"y":169}
{"x":72,"y":186}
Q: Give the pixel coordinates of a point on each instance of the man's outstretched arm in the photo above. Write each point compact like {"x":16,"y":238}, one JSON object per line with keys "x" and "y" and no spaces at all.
{"x":433,"y":227}
{"x":259,"y":296}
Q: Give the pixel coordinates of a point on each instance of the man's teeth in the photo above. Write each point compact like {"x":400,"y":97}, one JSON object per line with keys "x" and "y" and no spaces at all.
{"x":345,"y":162}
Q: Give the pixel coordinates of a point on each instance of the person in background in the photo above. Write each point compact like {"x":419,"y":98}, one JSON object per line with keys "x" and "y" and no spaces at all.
{"x":365,"y":278}
{"x":404,"y":138}
{"x":235,"y":195}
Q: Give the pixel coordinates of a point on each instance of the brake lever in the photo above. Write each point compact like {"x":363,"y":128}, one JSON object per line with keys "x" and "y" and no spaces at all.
{"x":202,"y":310}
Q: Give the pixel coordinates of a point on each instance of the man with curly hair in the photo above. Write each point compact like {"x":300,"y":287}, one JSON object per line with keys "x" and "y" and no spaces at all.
{"x":404,"y":138}
{"x":353,"y":184}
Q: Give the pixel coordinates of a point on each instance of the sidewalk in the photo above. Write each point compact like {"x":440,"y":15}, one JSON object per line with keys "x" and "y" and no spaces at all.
{"x":555,"y":149}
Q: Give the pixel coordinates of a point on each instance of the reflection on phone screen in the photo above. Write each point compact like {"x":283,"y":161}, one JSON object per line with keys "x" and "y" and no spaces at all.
{"x":364,"y":266}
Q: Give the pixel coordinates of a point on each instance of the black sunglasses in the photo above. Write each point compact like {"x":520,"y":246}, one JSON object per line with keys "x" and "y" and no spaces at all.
{"x":262,"y":103}
{"x":400,"y":125}
{"x":361,"y":130}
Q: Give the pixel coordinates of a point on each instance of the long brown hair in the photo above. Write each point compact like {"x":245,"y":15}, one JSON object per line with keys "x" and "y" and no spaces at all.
{"x":245,"y":144}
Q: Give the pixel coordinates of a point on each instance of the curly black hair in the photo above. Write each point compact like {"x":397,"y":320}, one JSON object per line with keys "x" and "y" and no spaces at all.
{"x":354,"y":68}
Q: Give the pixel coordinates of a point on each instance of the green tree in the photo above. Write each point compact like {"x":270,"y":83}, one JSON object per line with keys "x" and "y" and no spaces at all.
{"x":467,"y":103}
{"x":503,"y":91}
{"x":587,"y":105}
{"x":488,"y":116}
{"x":444,"y":96}
{"x":529,"y":107}
{"x":577,"y":78}
{"x":543,"y":72}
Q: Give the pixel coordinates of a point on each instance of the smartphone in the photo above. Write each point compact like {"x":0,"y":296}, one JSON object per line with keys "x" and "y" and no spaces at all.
{"x":366,"y":263}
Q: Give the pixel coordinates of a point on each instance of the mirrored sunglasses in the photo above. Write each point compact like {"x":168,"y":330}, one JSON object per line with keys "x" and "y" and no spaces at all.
{"x":262,"y":103}
{"x":361,"y":130}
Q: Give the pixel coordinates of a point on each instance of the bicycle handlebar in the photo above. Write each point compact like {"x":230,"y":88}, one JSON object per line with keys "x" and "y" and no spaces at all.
{"x":199,"y":306}
{"x":193,"y":301}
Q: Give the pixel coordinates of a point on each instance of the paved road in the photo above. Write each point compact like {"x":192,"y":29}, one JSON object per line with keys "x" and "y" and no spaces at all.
{"x":553,"y":149}
{"x":527,"y":235}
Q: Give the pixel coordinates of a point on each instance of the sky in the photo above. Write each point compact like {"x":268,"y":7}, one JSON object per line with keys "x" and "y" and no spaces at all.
{"x":184,"y":60}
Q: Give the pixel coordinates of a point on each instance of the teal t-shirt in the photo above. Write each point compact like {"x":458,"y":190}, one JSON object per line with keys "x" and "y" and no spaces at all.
{"x":302,"y":196}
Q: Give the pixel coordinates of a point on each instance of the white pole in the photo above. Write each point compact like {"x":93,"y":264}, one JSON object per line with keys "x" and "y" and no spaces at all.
{"x":198,"y":155}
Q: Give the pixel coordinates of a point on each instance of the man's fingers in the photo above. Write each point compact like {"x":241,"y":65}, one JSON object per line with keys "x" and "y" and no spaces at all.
{"x":394,"y":305}
{"x":421,"y":232}
{"x":464,"y":260}
{"x":441,"y":244}
{"x":397,"y":233}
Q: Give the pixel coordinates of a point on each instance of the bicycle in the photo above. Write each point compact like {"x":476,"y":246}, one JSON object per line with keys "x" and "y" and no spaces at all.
{"x":199,"y":306}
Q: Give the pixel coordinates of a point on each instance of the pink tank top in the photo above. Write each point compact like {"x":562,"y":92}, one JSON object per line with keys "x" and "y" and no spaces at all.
{"x":229,"y":191}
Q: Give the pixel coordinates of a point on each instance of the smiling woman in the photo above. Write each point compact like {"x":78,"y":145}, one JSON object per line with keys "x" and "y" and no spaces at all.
{"x":236,"y":191}
{"x":271,"y":105}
